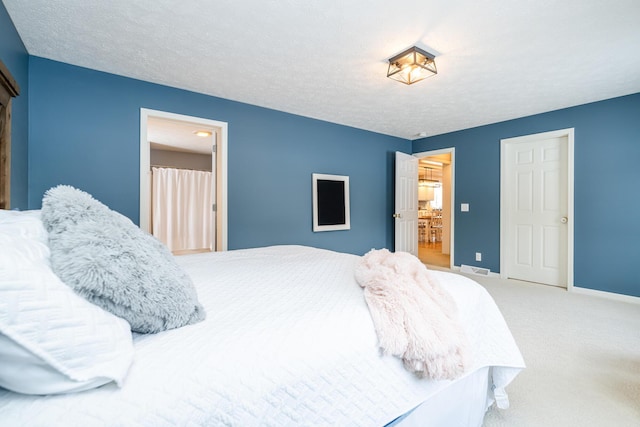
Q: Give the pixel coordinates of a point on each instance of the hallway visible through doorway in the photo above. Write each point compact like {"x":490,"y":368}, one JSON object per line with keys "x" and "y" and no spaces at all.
{"x":435,"y":196}
{"x":430,"y":253}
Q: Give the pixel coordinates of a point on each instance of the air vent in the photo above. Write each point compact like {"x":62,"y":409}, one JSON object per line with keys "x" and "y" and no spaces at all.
{"x":474,"y":270}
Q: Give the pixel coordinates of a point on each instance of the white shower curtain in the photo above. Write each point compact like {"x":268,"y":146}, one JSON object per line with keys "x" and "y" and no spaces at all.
{"x":181,"y":212}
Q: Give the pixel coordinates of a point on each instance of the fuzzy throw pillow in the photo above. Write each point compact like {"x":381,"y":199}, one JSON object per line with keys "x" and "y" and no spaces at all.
{"x":112,"y":263}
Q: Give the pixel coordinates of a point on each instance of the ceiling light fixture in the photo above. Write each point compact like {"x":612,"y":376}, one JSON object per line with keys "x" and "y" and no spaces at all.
{"x":428,"y":181}
{"x":202,"y":133}
{"x":412,"y":65}
{"x":426,"y":192}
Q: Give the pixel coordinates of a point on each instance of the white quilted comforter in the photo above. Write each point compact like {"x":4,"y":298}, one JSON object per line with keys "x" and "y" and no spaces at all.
{"x":288,"y":341}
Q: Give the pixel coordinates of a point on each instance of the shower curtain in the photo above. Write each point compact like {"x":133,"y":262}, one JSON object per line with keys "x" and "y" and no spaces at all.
{"x":181,"y":213}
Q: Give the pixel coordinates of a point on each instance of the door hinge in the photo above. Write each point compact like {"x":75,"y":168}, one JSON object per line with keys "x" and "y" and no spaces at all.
{"x":214,"y":207}
{"x":214,"y":148}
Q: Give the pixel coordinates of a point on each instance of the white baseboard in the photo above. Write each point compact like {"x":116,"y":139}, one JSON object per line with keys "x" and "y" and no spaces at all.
{"x":604,"y":294}
{"x":585,"y":291}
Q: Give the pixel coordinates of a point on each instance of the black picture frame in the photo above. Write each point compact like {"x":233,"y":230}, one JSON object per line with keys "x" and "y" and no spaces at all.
{"x":330,"y":202}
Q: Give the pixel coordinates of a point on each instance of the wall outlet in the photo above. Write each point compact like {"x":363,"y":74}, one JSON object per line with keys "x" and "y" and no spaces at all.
{"x":464,"y":207}
{"x":478,"y":256}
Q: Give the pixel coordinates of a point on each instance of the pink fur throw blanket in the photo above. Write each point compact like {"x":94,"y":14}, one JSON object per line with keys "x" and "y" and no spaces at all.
{"x":415,"y":318}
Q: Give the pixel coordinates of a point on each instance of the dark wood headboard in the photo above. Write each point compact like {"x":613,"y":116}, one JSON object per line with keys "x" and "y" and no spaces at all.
{"x":8,"y":89}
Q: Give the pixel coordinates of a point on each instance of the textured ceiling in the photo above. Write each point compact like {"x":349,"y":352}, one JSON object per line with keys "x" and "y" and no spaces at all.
{"x":326,"y":59}
{"x":172,"y":135}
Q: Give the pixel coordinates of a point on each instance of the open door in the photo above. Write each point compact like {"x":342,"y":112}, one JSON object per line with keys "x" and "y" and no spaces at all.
{"x":406,"y":204}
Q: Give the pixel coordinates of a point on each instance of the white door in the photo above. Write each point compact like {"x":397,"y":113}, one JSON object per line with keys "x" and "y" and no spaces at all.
{"x":536,"y":188}
{"x":406,"y":206}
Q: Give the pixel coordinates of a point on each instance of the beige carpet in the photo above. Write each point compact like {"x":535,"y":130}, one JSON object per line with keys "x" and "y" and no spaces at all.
{"x":582,"y":354}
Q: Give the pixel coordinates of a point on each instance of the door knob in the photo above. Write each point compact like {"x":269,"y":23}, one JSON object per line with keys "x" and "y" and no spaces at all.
{"x":397,"y":215}
{"x":564,"y":220}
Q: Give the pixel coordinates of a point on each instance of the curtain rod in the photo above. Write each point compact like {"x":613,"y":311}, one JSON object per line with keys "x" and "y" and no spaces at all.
{"x":174,"y":167}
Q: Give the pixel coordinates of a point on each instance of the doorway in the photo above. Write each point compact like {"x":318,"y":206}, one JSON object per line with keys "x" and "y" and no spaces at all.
{"x":536,"y":208}
{"x":435,"y":207}
{"x":170,"y":145}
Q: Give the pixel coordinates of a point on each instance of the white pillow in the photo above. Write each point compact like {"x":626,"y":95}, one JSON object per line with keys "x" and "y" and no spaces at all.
{"x":23,"y":223}
{"x":51,"y":340}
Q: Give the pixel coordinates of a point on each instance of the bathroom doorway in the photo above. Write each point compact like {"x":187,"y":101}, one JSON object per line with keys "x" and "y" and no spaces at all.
{"x":165,"y":147}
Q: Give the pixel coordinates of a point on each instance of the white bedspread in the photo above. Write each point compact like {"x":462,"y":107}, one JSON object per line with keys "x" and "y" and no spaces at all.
{"x":288,"y":341}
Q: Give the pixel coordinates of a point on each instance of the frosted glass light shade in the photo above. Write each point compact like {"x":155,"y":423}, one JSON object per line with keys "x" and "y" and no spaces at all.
{"x":411,"y":66}
{"x":425,"y":193}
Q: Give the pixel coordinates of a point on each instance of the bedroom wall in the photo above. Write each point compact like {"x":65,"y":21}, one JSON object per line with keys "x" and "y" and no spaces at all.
{"x":14,"y":55}
{"x":85,"y":133}
{"x":181,"y":160}
{"x":607,"y":174}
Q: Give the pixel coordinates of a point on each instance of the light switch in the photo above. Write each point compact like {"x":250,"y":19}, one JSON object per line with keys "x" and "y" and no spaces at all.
{"x":464,"y":207}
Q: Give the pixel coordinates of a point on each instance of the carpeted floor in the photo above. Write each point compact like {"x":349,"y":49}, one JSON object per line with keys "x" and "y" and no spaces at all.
{"x":582,"y":354}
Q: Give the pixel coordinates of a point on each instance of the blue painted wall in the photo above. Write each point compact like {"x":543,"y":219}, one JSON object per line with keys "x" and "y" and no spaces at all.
{"x":15,"y":57}
{"x":81,"y":128}
{"x":606,"y":202}
{"x":85,"y":132}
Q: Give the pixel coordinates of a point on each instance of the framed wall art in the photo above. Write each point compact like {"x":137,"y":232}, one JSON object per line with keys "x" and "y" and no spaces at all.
{"x":330,"y":202}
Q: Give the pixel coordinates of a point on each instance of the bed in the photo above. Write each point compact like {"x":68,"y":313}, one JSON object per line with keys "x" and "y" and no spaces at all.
{"x":288,"y":340}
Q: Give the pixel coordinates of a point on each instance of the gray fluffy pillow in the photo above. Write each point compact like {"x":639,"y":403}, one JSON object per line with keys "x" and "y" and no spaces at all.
{"x":108,"y":260}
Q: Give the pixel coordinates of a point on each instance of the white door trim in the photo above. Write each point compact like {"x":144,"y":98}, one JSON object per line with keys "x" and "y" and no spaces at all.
{"x":221,"y":171}
{"x":504,"y":229}
{"x":452,"y":151}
